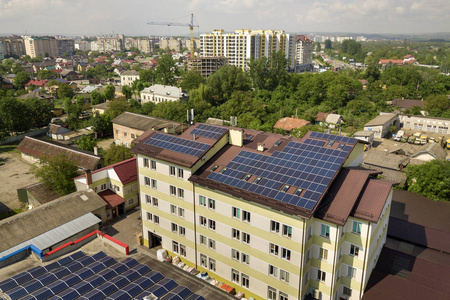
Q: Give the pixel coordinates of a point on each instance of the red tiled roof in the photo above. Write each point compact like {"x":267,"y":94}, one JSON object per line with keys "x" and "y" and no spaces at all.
{"x":407,"y":103}
{"x":302,"y":38}
{"x":321,"y":117}
{"x":111,"y":198}
{"x":290,"y":123}
{"x":126,"y":170}
{"x":37,"y":82}
{"x":392,"y":61}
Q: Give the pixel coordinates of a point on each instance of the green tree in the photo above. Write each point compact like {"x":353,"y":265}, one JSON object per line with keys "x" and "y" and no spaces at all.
{"x":39,"y":111}
{"x":225,"y":81}
{"x":14,"y":115}
{"x":117,"y":153}
{"x":117,"y":107}
{"x":86,"y":143}
{"x":191,"y":80}
{"x":45,"y":74}
{"x":436,"y":105}
{"x":147,"y":75}
{"x":328,"y":44}
{"x":166,"y":70}
{"x":21,"y":78}
{"x":303,"y":130}
{"x":65,"y":91}
{"x":110,"y":92}
{"x":126,"y":91}
{"x":318,"y":47}
{"x":56,"y":172}
{"x":97,"y":98}
{"x":102,"y":125}
{"x":431,"y":179}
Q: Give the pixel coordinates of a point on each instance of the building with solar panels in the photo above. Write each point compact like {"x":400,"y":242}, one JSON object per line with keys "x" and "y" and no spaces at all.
{"x":275,"y":217}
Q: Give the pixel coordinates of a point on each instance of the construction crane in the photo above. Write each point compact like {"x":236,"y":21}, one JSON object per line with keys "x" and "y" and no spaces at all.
{"x":190,"y":25}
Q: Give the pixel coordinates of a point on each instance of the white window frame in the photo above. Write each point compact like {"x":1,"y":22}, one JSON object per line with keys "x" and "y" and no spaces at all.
{"x":287,"y":231}
{"x":274,"y":226}
{"x":325,"y":231}
{"x":273,"y":271}
{"x":357,"y":227}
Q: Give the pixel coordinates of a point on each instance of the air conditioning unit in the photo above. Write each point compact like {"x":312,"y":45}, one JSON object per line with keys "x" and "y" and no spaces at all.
{"x":316,"y":294}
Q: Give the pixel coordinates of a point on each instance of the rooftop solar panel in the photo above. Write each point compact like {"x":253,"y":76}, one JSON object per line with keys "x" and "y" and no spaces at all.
{"x":181,"y":292}
{"x":43,"y":294}
{"x":68,"y":294}
{"x":157,"y":290}
{"x":71,"y":279}
{"x":195,"y":297}
{"x":130,"y":262}
{"x":7,"y":284}
{"x":87,"y":260}
{"x":52,"y":266}
{"x":37,"y":271}
{"x":60,"y":273}
{"x":120,"y":281}
{"x":99,"y":255}
{"x":58,"y":286}
{"x":84,"y":273}
{"x":108,"y":288}
{"x":168,"y":283}
{"x":177,"y":144}
{"x":95,"y":280}
{"x":142,"y":269}
{"x":96,"y":267}
{"x":108,"y":261}
{"x":94,"y":295}
{"x":119,"y":268}
{"x":132,"y":289}
{"x":209,"y":131}
{"x":131,"y":274}
{"x":107,"y":274}
{"x":144,"y":283}
{"x":83,"y":287}
{"x":17,"y":293}
{"x":154,"y":276}
{"x":22,"y":278}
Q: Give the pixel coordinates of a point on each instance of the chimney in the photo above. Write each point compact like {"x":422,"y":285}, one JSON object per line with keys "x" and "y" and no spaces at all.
{"x":95,"y":150}
{"x":194,"y":136}
{"x":88,"y":177}
{"x":260,"y":147}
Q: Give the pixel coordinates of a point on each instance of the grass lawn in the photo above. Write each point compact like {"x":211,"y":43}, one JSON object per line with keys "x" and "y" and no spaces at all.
{"x":9,"y":148}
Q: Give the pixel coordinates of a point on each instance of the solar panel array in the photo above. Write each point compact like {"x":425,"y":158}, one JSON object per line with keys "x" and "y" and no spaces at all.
{"x":209,"y":131}
{"x":177,"y":144}
{"x":79,"y":276}
{"x":308,"y":167}
{"x":332,"y":137}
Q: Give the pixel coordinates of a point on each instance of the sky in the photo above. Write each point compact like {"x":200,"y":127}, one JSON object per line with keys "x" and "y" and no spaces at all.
{"x":130,"y":17}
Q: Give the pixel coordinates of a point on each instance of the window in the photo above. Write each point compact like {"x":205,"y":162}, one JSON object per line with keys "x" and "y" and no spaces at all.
{"x":148,"y":199}
{"x":273,"y":271}
{"x":172,"y":170}
{"x":245,"y":258}
{"x":183,"y":250}
{"x":236,"y":212}
{"x":271,"y":293}
{"x":174,"y":227}
{"x":347,"y":291}
{"x":351,"y":272}
{"x":173,"y":190}
{"x":234,"y":275}
{"x":356,"y":227}
{"x":154,"y":184}
{"x":323,"y":254}
{"x":173,"y":209}
{"x":235,"y":254}
{"x":286,"y":253}
{"x":308,"y":255}
{"x":212,"y":264}
{"x":212,"y":244}
{"x":175,"y":247}
{"x":156,"y":219}
{"x":182,"y":231}
{"x":235,"y":234}
{"x":203,"y":260}
{"x":325,"y":231}
{"x":212,"y":224}
{"x":211,"y":203}
{"x":321,"y":275}
{"x":149,"y":217}
{"x":180,"y":193}
{"x":274,"y":226}
{"x":180,"y":173}
{"x":214,"y":168}
{"x":124,"y":134}
{"x":283,"y":296}
{"x":181,"y":212}
{"x":284,"y":276}
{"x":287,"y":231}
{"x":146,"y":163}
{"x":202,"y":239}
{"x":155,"y":201}
{"x":245,"y":216}
{"x":298,"y":191}
{"x":309,"y":232}
{"x":354,"y":250}
{"x":202,"y":221}
{"x":202,"y":200}
{"x":245,"y":280}
{"x":246,"y":238}
{"x":273,"y":249}
{"x":153,"y":165}
{"x":132,"y":135}
{"x":146,"y":180}
{"x":246,"y":177}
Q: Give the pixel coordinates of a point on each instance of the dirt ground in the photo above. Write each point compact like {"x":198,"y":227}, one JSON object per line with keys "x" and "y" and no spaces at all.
{"x":14,"y":174}
{"x":104,"y":144}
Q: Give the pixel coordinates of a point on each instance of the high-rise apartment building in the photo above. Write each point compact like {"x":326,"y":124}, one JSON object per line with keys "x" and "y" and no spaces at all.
{"x":206,"y":66}
{"x":145,"y":45}
{"x":243,"y":45}
{"x":109,"y":43}
{"x":274,"y":217}
{"x":48,"y":46}
{"x":13,"y":46}
{"x":304,"y":48}
{"x":2,"y":55}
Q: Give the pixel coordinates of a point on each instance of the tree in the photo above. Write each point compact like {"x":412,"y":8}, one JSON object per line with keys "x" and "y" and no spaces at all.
{"x":191,"y":80}
{"x":225,"y":81}
{"x":86,"y":143}
{"x":436,"y":105}
{"x":147,"y":75}
{"x":318,"y":47}
{"x":126,"y":91}
{"x":45,"y":74}
{"x":102,"y":125}
{"x":39,"y":111}
{"x":97,"y":98}
{"x":110,"y":92}
{"x":117,"y":153}
{"x":328,"y":44}
{"x":14,"y":115}
{"x":56,"y":172}
{"x":21,"y":78}
{"x":65,"y":91}
{"x":117,"y":107}
{"x":166,"y":70}
{"x":431,"y":179}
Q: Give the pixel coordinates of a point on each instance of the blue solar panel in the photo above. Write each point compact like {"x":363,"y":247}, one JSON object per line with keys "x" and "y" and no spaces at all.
{"x":168,"y":283}
{"x":119,"y":295}
{"x":84,"y":273}
{"x":37,"y":271}
{"x":65,"y":260}
{"x":107,"y":288}
{"x":72,"y":279}
{"x":144,"y":283}
{"x":43,"y":294}
{"x":195,"y":297}
{"x":131,"y":275}
{"x":95,"y":280}
{"x":119,"y":268}
{"x":17,"y":293}
{"x":83,"y":287}
{"x":108,"y":274}
{"x":73,"y":266}
{"x":177,"y":144}
{"x":182,"y":291}
{"x":99,"y":255}
{"x":60,"y":273}
{"x":120,"y":281}
{"x":132,"y":289}
{"x":209,"y":131}
{"x":96,"y":267}
{"x":108,"y":261}
{"x":154,"y":276}
{"x":68,"y":294}
{"x":52,"y":266}
{"x":58,"y":286}
{"x":130,"y":262}
{"x":22,"y":278}
{"x":7,"y":284}
{"x":157,"y":290}
{"x":87,"y":260}
{"x":77,"y":255}
{"x":94,"y":295}
{"x":142,"y":269}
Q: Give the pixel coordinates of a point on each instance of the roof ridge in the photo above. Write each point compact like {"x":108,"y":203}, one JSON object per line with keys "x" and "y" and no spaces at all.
{"x":69,"y":149}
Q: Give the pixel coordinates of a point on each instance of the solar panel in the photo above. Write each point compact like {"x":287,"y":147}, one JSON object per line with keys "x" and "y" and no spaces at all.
{"x":68,"y":294}
{"x":96,"y":267}
{"x":87,"y":260}
{"x":177,"y":144}
{"x":107,"y":288}
{"x":181,"y":291}
{"x":157,"y":290}
{"x":107,"y":274}
{"x":84,"y":273}
{"x":94,"y":295}
{"x":119,"y":268}
{"x":60,"y":273}
{"x":95,"y":280}
{"x":119,"y":295}
{"x":73,"y":266}
{"x":142,"y":269}
{"x":130,"y":262}
{"x":120,"y":281}
{"x":72,"y":279}
{"x":195,"y":297}
{"x":77,"y":255}
{"x":58,"y":286}
{"x":99,"y":255}
{"x":7,"y":284}
{"x":43,"y":294}
{"x":168,"y":283}
{"x":209,"y":131}
{"x":108,"y":261}
{"x":52,"y":266}
{"x":83,"y":287}
{"x":37,"y":271}
{"x":133,"y":289}
{"x":154,"y":276}
{"x":144,"y":283}
{"x":17,"y":292}
{"x":22,"y":278}
{"x":131,"y":274}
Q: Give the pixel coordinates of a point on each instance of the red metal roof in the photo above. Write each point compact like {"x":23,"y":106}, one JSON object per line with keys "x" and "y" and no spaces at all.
{"x":111,"y":198}
{"x":126,"y":170}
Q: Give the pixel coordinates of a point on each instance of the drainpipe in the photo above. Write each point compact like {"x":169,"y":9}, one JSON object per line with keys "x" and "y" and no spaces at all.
{"x":334,"y":265}
{"x":365,"y":262}
{"x":300,"y":288}
{"x":195,"y":225}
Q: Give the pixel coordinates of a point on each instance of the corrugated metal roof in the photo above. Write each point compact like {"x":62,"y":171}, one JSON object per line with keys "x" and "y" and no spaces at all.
{"x":56,"y":235}
{"x":381,"y":120}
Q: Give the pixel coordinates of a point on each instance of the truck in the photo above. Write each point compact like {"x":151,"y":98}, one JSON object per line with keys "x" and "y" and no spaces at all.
{"x":423,"y":139}
{"x":404,"y":138}
{"x":399,"y":135}
{"x":417,"y":138}
{"x":411,"y":139}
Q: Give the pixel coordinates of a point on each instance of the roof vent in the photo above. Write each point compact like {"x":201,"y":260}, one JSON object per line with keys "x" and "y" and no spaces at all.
{"x":260,"y":147}
{"x":84,"y":197}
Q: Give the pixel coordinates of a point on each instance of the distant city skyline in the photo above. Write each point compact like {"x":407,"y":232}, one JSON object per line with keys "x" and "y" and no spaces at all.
{"x":102,"y":17}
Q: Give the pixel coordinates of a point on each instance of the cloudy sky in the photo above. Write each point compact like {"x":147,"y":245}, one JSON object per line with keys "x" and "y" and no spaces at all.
{"x":130,"y":17}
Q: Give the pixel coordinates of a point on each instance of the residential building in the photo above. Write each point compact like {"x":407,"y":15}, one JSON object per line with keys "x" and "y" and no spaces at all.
{"x":100,"y":108}
{"x":128,"y":126}
{"x":206,"y":66}
{"x":158,"y":93}
{"x":243,"y":45}
{"x":48,"y":46}
{"x":13,"y":46}
{"x":441,"y":126}
{"x":274,"y":217}
{"x":171,"y":43}
{"x":108,"y":43}
{"x":56,"y":132}
{"x":83,"y":45}
{"x":128,"y":77}
{"x":304,"y":48}
{"x":116,"y":184}
{"x":382,"y":124}
{"x":2,"y":53}
{"x":65,"y":47}
{"x":404,"y":104}
{"x":144,"y":45}
{"x":34,"y":149}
